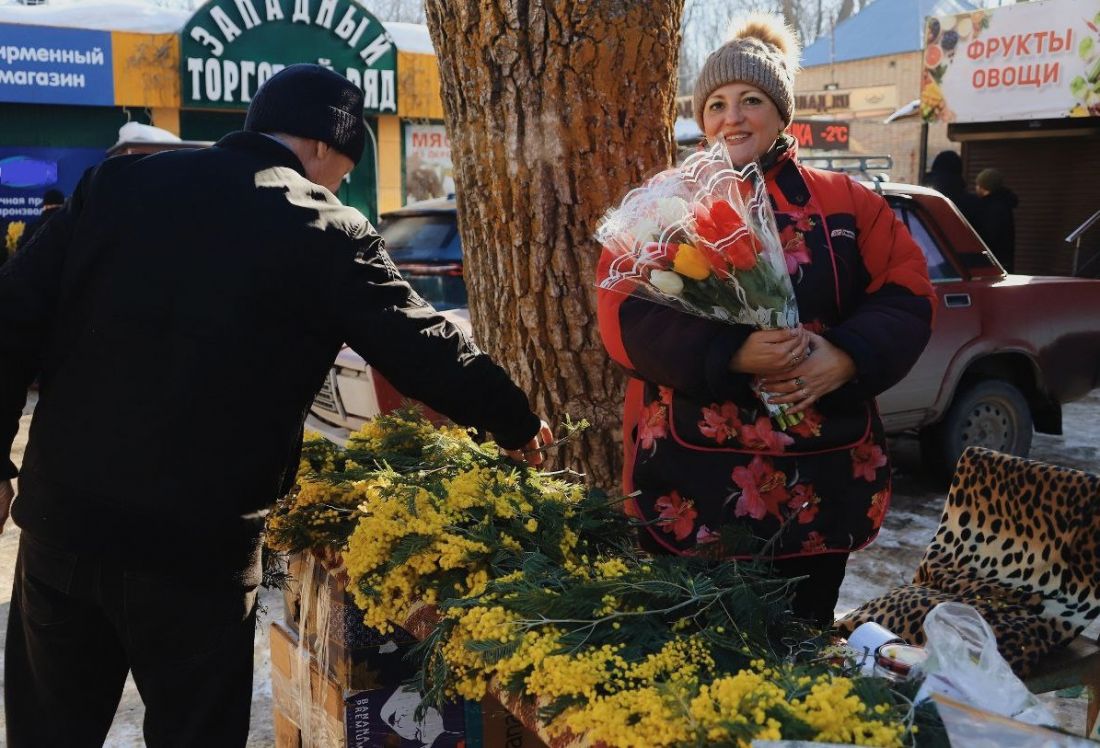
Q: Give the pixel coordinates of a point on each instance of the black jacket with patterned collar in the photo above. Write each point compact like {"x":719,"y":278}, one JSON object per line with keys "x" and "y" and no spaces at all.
{"x":180,"y":312}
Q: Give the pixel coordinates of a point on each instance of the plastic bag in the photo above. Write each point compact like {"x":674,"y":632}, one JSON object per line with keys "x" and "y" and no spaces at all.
{"x":974,"y":728}
{"x":964,"y":664}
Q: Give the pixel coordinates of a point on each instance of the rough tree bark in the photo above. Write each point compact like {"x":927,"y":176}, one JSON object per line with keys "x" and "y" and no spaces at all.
{"x":555,"y":108}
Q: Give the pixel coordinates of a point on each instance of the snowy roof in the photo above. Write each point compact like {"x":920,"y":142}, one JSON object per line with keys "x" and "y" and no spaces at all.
{"x":103,"y":15}
{"x":145,"y":17}
{"x":884,"y":27}
{"x":410,"y":37}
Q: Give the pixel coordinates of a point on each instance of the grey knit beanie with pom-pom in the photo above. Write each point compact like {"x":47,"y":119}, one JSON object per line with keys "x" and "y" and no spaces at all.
{"x":763,"y":52}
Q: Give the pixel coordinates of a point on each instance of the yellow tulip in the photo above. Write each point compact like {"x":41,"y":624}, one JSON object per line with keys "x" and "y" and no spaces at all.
{"x":691,"y":263}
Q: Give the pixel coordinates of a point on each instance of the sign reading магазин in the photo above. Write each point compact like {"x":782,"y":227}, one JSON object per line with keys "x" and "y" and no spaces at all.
{"x":230,"y":47}
{"x":1036,"y":60}
{"x":46,"y":65}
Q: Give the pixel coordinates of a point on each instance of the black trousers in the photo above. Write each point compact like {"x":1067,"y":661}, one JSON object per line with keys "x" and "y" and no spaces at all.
{"x":78,"y":623}
{"x":815,"y":596}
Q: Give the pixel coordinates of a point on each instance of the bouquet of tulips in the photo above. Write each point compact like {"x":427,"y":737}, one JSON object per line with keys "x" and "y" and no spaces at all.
{"x":702,"y":238}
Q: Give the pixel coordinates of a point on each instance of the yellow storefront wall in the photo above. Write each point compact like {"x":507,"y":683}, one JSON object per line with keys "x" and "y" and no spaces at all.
{"x":418,"y":98}
{"x":147,"y":74}
{"x":418,"y":87}
{"x":390,"y":163}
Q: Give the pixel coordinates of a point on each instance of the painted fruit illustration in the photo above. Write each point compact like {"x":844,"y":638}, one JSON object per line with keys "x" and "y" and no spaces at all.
{"x":1087,"y":48}
{"x":1079,"y":87}
{"x":933,"y":29}
{"x":933,"y":55}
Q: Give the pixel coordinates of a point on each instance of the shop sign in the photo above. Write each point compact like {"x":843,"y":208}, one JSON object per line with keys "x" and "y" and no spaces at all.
{"x":429,"y":172}
{"x":865,"y":99}
{"x":230,"y":47}
{"x":46,"y":65}
{"x":1036,"y":60}
{"x":26,"y":173}
{"x":825,"y":101}
{"x":820,"y":134}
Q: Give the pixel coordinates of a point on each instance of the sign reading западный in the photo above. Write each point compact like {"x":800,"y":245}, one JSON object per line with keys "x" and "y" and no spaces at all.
{"x":230,"y":47}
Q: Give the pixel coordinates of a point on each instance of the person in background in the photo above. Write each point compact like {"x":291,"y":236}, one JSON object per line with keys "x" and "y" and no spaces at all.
{"x":701,"y":452}
{"x":51,"y":201}
{"x":172,"y":292}
{"x":946,"y":176}
{"x":997,"y":222}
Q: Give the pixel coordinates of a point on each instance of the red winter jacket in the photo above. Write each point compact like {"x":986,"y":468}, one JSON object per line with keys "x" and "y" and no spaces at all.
{"x":701,"y":453}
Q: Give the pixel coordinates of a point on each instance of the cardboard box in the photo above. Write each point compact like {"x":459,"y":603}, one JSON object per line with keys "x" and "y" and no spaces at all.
{"x":386,"y":717}
{"x":326,"y":713}
{"x":287,"y":734}
{"x":321,"y":593}
{"x":355,"y":668}
{"x":501,"y":729}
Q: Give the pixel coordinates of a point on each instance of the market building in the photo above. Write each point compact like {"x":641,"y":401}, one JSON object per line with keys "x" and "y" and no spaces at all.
{"x":72,"y":75}
{"x":868,"y":71}
{"x":1019,"y":88}
{"x":857,"y":91}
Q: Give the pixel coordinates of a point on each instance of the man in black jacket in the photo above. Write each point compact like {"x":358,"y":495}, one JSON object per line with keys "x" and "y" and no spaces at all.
{"x":997,"y":226}
{"x":173,"y":291}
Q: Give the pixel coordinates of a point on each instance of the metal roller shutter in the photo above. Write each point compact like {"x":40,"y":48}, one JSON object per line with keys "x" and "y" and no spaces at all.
{"x":1058,"y":182}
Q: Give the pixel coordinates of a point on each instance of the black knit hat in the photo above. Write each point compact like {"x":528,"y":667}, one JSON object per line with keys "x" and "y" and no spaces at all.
{"x":311,"y":101}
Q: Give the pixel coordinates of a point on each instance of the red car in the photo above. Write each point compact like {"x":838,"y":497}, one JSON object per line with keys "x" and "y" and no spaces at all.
{"x":1006,"y":352}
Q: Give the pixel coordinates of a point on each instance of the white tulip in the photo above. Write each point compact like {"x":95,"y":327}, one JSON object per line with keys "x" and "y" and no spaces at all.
{"x":667,"y":282}
{"x":645,"y":230}
{"x":671,"y":210}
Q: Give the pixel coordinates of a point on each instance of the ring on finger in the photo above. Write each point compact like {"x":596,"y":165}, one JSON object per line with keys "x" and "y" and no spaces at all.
{"x":795,"y":358}
{"x":799,"y":382}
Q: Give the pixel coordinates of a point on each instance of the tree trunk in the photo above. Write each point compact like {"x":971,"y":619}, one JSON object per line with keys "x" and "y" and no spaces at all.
{"x":555,"y":108}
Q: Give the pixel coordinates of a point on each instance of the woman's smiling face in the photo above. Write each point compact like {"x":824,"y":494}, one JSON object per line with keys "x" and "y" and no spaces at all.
{"x":742,"y":116}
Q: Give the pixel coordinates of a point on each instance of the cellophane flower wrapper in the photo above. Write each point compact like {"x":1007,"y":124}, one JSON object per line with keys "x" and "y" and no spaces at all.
{"x":702,"y":238}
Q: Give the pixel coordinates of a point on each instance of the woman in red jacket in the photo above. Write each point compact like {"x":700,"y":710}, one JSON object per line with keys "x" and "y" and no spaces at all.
{"x":701,"y":452}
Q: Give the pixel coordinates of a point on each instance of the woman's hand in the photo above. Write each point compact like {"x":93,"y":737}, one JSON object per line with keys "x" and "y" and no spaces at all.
{"x":827,"y":369}
{"x":771,"y":353}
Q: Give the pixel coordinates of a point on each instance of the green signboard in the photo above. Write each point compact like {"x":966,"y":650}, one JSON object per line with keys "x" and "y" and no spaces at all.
{"x":230,"y":47}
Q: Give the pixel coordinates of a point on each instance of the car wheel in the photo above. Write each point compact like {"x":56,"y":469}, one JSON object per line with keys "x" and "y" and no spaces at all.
{"x":992,"y":414}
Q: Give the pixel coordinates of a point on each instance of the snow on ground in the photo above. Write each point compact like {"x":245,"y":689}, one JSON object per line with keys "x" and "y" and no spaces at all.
{"x":890,"y":561}
{"x":915,"y":514}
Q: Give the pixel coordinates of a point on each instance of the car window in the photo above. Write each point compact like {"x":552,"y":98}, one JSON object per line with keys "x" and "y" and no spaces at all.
{"x":423,"y":238}
{"x":939,"y":268}
{"x":441,"y":291}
